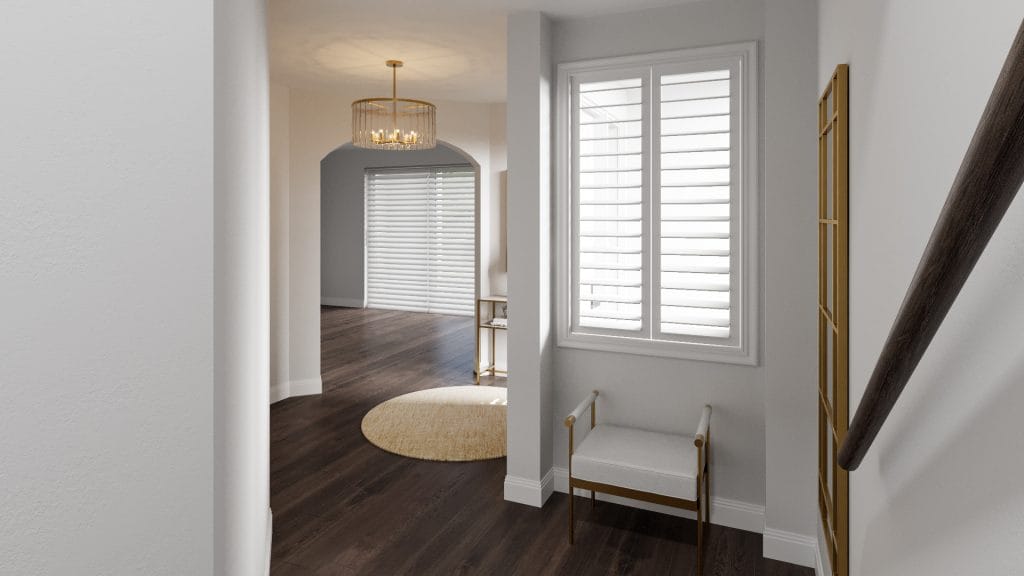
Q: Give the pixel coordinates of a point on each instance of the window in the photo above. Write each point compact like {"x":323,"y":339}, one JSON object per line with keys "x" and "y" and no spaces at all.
{"x":657,"y":212}
{"x":420,"y":239}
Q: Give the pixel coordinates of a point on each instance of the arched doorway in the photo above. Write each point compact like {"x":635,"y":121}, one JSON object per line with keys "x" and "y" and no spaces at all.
{"x":344,"y":261}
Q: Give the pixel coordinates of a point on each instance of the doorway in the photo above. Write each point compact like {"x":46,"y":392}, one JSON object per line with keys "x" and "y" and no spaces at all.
{"x":420,"y":239}
{"x":396,"y":225}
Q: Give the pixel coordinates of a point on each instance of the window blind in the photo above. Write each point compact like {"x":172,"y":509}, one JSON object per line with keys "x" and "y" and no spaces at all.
{"x":420,"y":239}
{"x":684,"y":157}
{"x":695,"y":204}
{"x":610,"y":208}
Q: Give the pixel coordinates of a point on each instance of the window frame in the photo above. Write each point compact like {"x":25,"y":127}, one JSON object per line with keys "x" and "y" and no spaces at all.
{"x":742,"y":345}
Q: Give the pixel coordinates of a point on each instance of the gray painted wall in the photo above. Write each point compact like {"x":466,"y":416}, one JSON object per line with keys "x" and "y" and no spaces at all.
{"x":662,"y":393}
{"x":940,"y":492}
{"x":341,"y":213}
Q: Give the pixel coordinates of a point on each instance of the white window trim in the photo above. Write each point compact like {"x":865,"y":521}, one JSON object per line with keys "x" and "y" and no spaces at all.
{"x":744,"y":349}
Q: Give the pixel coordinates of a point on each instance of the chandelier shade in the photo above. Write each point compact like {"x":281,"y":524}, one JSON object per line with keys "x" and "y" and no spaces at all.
{"x":394,"y":123}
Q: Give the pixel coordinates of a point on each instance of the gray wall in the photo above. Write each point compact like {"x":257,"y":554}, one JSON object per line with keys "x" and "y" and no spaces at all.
{"x":663,"y":393}
{"x":341,"y":213}
{"x":940,"y":492}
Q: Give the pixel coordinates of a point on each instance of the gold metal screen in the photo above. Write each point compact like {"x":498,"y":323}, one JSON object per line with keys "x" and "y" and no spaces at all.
{"x":833,"y":311}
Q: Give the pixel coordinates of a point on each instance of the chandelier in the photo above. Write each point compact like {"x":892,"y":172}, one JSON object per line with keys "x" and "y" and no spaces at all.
{"x":394,"y":123}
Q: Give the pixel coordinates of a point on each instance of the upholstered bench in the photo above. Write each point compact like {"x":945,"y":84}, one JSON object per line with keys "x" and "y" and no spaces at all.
{"x":668,"y":469}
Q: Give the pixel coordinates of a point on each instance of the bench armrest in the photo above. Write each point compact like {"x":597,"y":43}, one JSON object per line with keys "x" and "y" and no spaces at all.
{"x":702,"y":428}
{"x":578,"y":412}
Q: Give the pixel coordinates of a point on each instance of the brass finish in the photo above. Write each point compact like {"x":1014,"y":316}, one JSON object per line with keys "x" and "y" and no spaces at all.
{"x":379,"y":123}
{"x":702,"y":505}
{"x":491,"y":368}
{"x":382,"y":99}
{"x":593,"y":422}
{"x":572,"y":495}
{"x":833,"y":416}
{"x":635,"y":494}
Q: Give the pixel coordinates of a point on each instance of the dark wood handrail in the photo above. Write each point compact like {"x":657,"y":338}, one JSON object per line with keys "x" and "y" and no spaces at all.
{"x":990,"y":175}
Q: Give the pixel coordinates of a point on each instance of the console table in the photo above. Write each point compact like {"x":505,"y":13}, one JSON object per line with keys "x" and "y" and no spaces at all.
{"x":488,"y":322}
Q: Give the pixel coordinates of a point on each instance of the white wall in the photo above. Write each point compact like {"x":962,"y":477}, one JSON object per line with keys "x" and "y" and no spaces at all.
{"x":241,"y":290}
{"x":940,"y":490}
{"x":107,"y":257}
{"x":343,"y":213}
{"x":528,"y":478}
{"x":665,"y":394}
{"x":497,"y":260}
{"x":790,"y":205}
{"x":279,"y":233}
{"x":318,"y":123}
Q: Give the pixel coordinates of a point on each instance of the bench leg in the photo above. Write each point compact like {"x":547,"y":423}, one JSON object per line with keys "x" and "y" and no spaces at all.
{"x":700,"y":539}
{"x":593,"y":499}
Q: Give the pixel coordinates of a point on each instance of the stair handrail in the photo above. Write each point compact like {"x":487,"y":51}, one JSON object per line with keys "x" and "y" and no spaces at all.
{"x":989,"y":177}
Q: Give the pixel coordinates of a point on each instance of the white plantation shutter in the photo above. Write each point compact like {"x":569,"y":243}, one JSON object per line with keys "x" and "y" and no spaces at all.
{"x":610,"y":207}
{"x":659,"y":173}
{"x":694,"y":204}
{"x":420,"y":239}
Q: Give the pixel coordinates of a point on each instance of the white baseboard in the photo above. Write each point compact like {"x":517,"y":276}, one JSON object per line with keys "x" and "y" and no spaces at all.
{"x":530,"y":492}
{"x":344,"y":302}
{"x":270,"y":538}
{"x":791,"y":547}
{"x":283,"y":390}
{"x":724,"y":512}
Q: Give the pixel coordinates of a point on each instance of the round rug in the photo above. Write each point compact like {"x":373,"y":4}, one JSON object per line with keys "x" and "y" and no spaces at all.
{"x":450,"y":424}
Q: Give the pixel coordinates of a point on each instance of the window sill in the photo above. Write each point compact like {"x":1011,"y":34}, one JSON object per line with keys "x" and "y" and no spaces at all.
{"x":659,"y":348}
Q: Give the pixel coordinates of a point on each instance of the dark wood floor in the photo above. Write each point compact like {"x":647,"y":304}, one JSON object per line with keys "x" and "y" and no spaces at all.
{"x":343,"y":506}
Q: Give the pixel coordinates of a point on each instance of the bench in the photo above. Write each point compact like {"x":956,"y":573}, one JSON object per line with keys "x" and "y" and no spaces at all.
{"x":667,"y":469}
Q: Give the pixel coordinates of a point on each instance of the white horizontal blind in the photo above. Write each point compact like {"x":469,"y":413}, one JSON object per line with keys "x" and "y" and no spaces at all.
{"x":609,"y":175}
{"x":420,"y":239}
{"x":694,"y":204}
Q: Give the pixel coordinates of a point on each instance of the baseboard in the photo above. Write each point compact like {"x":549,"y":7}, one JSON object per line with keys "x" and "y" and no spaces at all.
{"x":530,"y":492}
{"x":343,"y":302}
{"x":790,"y":547}
{"x":724,"y":512}
{"x":270,"y":538}
{"x":307,"y":387}
{"x":547,"y":486}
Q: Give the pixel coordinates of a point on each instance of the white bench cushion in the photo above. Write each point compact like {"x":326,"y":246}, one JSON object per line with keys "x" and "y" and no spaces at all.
{"x":664,"y":464}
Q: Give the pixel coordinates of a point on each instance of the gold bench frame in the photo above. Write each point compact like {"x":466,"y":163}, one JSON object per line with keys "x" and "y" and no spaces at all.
{"x":701,"y":505}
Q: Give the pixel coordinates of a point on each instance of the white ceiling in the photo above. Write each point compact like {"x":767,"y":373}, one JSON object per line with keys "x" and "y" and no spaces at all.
{"x":453,"y":49}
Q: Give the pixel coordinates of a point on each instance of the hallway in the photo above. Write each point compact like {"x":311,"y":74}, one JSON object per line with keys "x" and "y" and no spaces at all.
{"x":343,"y":506}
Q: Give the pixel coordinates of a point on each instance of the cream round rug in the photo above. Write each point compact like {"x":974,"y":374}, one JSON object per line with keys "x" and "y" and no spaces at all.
{"x":451,"y":424}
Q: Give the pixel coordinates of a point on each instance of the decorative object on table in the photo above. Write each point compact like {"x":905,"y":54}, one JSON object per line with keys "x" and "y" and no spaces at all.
{"x":667,"y":469}
{"x":394,"y":123}
{"x":450,"y":424}
{"x":490,"y":321}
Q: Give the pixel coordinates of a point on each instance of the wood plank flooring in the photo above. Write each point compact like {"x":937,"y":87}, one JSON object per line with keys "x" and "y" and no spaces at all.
{"x":342,"y":506}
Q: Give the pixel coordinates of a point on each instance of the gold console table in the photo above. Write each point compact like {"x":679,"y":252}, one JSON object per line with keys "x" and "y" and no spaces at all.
{"x":490,"y":322}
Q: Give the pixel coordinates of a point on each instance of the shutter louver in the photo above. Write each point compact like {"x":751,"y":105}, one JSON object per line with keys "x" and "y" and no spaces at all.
{"x":695,"y":204}
{"x":420,"y":240}
{"x":610,"y":211}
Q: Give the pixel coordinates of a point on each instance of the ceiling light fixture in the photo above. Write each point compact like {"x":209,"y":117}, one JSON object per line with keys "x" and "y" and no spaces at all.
{"x":394,"y":123}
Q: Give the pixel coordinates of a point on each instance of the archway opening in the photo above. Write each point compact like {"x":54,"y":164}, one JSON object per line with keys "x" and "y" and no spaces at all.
{"x":397,"y":224}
